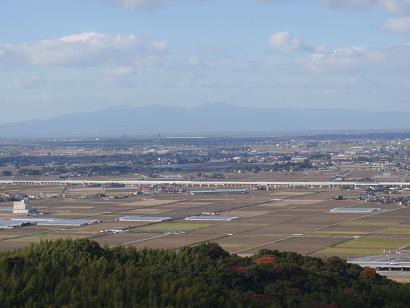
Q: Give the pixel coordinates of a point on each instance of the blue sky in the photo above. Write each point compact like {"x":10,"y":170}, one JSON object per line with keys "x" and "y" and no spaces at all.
{"x":70,"y":56}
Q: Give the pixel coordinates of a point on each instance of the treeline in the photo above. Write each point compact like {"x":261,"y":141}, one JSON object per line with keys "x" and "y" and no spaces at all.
{"x":80,"y":273}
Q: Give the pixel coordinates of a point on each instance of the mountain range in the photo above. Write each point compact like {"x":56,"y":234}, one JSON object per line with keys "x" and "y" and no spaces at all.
{"x":209,"y":118}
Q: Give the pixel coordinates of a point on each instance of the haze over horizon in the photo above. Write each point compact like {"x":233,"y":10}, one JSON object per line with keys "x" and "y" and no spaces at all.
{"x":213,"y":105}
{"x":75,"y":56}
{"x":209,"y":120}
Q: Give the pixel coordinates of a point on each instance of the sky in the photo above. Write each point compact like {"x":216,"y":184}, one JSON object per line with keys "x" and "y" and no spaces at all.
{"x":70,"y":56}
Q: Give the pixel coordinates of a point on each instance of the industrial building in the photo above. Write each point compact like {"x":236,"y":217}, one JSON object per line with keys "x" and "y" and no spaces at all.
{"x":67,"y":222}
{"x":144,"y":218}
{"x":55,"y":221}
{"x":385,"y":262}
{"x":8,"y":224}
{"x":211,"y":218}
{"x":219,"y":191}
{"x":32,"y":219}
{"x":354,"y":210}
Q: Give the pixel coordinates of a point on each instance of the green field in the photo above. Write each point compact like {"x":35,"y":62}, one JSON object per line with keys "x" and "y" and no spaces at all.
{"x":332,"y":251}
{"x":395,"y":231}
{"x":365,"y":246}
{"x":367,"y":223}
{"x":375,"y":243}
{"x":330,"y":232}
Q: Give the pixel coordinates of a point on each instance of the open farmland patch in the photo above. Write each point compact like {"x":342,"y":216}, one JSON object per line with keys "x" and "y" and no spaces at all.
{"x":369,"y":223}
{"x":122,"y":238}
{"x":399,"y":230}
{"x":304,"y":245}
{"x":302,"y":201}
{"x":365,"y":246}
{"x":173,"y":241}
{"x":148,"y":202}
{"x":347,"y":252}
{"x":246,"y":213}
{"x":343,"y":229}
{"x":146,"y":211}
{"x":231,"y":227}
{"x":242,"y":242}
{"x":173,"y":226}
{"x":282,"y":229}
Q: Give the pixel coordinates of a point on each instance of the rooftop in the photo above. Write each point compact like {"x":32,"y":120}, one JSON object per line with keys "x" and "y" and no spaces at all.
{"x":212,"y":218}
{"x":5,"y":224}
{"x":355,"y":210}
{"x":392,"y":261}
{"x":55,"y":221}
{"x":144,"y":218}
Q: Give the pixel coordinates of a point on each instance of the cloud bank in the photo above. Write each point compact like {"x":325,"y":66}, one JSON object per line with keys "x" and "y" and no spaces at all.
{"x":83,"y":49}
{"x":400,"y":9}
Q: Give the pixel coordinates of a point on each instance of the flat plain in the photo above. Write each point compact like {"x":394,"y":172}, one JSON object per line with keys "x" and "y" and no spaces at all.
{"x":284,"y":219}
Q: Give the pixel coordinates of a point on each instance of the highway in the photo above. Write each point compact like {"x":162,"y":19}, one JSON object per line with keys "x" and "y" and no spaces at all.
{"x":226,"y":184}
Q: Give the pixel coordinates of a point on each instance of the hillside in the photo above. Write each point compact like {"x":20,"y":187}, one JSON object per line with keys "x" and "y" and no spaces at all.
{"x":211,"y":118}
{"x":82,"y":274}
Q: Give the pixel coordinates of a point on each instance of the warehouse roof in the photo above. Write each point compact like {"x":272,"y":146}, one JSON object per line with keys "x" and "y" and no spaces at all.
{"x":144,"y":218}
{"x":355,"y":210}
{"x":212,"y":218}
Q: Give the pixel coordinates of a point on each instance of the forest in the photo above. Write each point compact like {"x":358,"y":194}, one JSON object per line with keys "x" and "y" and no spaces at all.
{"x":81,"y":273}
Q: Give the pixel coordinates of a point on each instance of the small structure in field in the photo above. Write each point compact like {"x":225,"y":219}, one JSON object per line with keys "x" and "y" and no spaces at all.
{"x":22,"y":207}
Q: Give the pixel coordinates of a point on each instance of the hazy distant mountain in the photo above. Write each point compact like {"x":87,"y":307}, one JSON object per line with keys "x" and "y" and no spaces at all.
{"x":211,"y":118}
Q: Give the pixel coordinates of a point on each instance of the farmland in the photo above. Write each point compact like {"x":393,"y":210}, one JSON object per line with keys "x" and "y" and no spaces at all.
{"x":292,"y":220}
{"x":283,"y":218}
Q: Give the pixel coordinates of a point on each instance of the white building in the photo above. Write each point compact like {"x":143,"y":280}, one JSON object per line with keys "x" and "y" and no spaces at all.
{"x":22,"y":207}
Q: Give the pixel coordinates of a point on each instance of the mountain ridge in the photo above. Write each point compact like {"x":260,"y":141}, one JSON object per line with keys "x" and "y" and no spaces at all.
{"x":209,"y":118}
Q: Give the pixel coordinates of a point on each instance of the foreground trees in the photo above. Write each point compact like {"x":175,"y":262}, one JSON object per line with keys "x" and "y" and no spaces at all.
{"x":80,"y":273}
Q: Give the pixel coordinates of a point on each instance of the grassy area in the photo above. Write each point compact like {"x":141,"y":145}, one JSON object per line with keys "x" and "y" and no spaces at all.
{"x":333,"y":251}
{"x":395,"y":231}
{"x":374,"y":243}
{"x":364,"y":246}
{"x":40,"y":236}
{"x":175,"y":226}
{"x":330,"y":232}
{"x":367,"y":223}
{"x":235,"y":246}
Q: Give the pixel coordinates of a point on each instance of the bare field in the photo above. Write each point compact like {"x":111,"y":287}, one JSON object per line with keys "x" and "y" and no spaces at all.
{"x":122,"y":238}
{"x":304,"y":245}
{"x":284,"y":219}
{"x":238,"y":243}
{"x":174,"y":241}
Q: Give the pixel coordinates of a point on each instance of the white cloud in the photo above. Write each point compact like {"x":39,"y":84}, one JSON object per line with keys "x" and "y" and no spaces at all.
{"x":342,"y":59}
{"x":400,"y":25}
{"x":323,"y":58}
{"x":349,"y":52}
{"x":284,"y":41}
{"x":392,"y":7}
{"x":120,"y":76}
{"x":84,"y":49}
{"x":396,"y":7}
